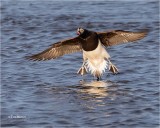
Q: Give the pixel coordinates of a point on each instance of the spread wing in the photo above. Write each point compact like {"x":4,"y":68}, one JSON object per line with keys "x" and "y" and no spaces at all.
{"x":119,"y":36}
{"x":58,"y":49}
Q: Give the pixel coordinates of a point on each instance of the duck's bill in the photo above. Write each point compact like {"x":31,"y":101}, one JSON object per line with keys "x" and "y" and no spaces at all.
{"x":78,"y":33}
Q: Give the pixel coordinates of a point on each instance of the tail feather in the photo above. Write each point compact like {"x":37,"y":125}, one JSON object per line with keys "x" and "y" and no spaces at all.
{"x":97,"y":74}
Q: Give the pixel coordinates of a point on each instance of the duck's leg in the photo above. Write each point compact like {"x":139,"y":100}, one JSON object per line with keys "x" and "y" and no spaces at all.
{"x":83,"y":69}
{"x":112,"y":67}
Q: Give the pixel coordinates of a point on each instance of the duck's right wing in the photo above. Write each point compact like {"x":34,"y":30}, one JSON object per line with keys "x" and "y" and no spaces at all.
{"x":58,"y":49}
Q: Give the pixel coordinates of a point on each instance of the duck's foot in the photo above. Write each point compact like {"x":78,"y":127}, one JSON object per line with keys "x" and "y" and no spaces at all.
{"x":113,"y":69}
{"x":82,"y":71}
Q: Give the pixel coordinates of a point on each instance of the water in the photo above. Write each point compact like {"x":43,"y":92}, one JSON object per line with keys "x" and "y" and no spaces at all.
{"x":51,"y":94}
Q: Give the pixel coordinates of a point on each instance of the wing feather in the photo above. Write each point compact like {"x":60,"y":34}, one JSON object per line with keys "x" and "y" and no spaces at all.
{"x":119,"y":36}
{"x":58,"y":49}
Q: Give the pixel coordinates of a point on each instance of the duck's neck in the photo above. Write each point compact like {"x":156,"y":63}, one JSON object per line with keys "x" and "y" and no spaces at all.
{"x":90,"y":42}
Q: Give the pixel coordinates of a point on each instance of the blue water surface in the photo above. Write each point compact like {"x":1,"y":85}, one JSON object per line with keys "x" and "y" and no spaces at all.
{"x":50,"y":94}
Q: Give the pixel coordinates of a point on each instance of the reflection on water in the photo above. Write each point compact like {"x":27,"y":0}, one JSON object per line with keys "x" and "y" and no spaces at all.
{"x":88,"y":95}
{"x":96,"y":88}
{"x":95,"y":93}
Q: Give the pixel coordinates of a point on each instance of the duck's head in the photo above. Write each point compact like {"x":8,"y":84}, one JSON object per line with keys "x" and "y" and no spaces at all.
{"x":80,"y":31}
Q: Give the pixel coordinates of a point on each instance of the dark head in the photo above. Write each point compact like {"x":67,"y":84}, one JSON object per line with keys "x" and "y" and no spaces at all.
{"x":83,"y":33}
{"x":80,"y":31}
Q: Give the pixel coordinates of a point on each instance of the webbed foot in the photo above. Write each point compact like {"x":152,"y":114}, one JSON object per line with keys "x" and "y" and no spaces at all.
{"x":82,"y":71}
{"x":113,"y":69}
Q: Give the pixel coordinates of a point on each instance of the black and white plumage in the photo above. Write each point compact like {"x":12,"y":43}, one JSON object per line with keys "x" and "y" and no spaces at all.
{"x":92,"y":44}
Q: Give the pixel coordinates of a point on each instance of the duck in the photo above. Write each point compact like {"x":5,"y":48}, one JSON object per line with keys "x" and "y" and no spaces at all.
{"x":96,"y":59}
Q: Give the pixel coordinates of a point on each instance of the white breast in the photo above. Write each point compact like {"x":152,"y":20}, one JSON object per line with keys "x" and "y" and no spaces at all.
{"x":96,"y":62}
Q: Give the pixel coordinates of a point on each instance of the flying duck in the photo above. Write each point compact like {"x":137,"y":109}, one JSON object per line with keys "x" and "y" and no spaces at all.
{"x":92,"y":44}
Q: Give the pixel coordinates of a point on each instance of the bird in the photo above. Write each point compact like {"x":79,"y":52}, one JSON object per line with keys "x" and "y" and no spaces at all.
{"x":92,"y":44}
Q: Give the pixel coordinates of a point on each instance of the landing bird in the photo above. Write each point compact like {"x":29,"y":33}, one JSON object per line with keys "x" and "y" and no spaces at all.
{"x":92,"y":44}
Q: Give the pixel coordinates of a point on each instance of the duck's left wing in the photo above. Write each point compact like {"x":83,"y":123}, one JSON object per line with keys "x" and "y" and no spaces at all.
{"x":119,"y":36}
